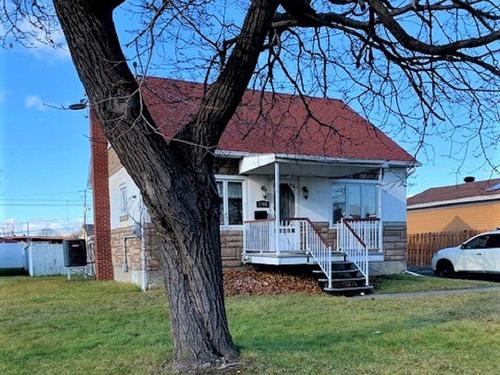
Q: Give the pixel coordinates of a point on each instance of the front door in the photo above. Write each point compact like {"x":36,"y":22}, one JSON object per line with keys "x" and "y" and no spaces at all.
{"x":288,"y":230}
{"x":287,"y":202}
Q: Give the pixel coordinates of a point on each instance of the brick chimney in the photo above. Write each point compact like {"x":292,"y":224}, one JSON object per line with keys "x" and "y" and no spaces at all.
{"x":100,"y":190}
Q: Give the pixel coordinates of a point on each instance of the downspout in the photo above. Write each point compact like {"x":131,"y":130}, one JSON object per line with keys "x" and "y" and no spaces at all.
{"x":125,"y":252}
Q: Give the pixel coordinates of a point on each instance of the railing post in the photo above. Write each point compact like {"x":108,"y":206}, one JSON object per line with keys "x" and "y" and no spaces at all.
{"x":380,"y":235}
{"x":329,"y":268}
{"x":245,"y":227}
{"x":367,"y":267}
{"x":277,"y":206}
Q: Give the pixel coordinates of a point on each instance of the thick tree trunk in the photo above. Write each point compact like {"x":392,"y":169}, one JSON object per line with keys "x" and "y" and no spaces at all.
{"x":175,"y":179}
{"x":192,"y":271}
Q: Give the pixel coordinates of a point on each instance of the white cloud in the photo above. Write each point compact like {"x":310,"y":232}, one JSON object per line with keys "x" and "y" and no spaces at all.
{"x":41,"y":227}
{"x":34,"y":102}
{"x":37,"y":40}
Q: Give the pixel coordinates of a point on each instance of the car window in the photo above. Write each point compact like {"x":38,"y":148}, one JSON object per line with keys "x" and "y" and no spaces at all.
{"x":493,"y":241}
{"x":477,"y":243}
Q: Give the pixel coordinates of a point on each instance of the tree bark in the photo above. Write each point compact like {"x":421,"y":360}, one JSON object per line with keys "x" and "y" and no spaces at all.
{"x":176,"y":179}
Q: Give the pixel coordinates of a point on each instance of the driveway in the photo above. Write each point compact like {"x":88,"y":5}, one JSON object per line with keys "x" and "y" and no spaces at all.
{"x":433,"y":293}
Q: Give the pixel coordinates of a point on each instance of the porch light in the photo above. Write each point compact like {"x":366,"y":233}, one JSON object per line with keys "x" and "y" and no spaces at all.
{"x":305,"y":192}
{"x":264,"y":191}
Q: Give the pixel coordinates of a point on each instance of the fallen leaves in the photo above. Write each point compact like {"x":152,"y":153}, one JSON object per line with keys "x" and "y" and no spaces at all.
{"x":248,"y":282}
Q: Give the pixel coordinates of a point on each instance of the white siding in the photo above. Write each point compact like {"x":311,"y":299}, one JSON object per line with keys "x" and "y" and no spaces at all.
{"x":394,"y":195}
{"x":317,"y":207}
{"x":116,"y":181}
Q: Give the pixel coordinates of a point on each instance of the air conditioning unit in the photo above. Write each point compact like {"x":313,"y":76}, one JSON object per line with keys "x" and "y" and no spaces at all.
{"x":75,"y":253}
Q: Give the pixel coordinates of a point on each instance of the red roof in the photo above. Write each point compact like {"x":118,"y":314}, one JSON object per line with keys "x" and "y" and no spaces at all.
{"x":465,"y":190}
{"x":285,"y":126}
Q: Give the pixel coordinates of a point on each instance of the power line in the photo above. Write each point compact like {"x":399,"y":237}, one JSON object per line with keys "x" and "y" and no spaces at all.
{"x":39,"y":200}
{"x":39,"y":205}
{"x":47,"y":193}
{"x":34,"y":221}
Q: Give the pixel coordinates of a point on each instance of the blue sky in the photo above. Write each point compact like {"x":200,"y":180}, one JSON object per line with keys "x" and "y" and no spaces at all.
{"x":44,"y":152}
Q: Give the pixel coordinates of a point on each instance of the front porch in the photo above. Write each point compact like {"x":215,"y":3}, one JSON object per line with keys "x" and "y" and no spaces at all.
{"x":295,"y":241}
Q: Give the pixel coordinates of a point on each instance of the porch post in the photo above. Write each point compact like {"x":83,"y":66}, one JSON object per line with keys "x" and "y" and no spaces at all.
{"x":379,"y":208}
{"x":277,"y":207}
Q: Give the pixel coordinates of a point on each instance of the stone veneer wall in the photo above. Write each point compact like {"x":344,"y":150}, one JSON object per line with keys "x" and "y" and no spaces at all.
{"x":395,"y":248}
{"x":395,"y":241}
{"x":231,"y":247}
{"x":329,"y":234}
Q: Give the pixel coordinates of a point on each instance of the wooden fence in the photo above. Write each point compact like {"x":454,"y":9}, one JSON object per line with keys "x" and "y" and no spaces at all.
{"x":421,"y":246}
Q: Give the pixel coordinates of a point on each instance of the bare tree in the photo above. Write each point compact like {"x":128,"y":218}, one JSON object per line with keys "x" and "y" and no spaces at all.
{"x":415,"y":60}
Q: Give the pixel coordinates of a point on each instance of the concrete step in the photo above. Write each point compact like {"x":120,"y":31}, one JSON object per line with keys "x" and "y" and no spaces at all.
{"x":340,"y":280}
{"x":365,"y":288}
{"x":345,"y":271}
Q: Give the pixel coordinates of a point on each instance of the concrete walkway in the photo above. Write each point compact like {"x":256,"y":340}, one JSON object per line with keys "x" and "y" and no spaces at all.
{"x":431,"y":293}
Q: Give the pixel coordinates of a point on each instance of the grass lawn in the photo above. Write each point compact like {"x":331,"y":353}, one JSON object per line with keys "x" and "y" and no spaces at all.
{"x":54,"y":326}
{"x":407,"y":283}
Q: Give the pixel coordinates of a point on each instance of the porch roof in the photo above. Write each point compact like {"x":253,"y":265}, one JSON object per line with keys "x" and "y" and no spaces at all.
{"x":301,"y":165}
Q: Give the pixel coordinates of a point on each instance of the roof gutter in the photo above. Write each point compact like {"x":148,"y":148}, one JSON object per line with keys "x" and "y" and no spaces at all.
{"x":325,"y":159}
{"x":480,"y":198}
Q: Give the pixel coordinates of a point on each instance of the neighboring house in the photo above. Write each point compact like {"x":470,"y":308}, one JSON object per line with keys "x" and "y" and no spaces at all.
{"x":339,"y":183}
{"x":473,"y":205}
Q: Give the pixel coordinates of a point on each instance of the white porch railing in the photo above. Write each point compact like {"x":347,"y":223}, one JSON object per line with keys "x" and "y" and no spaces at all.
{"x":353,"y":245}
{"x":319,"y":249}
{"x":369,"y":230}
{"x":296,"y":235}
{"x":258,"y":236}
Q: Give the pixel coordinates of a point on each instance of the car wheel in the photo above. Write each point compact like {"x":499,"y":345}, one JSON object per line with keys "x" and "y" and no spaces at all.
{"x":444,"y":268}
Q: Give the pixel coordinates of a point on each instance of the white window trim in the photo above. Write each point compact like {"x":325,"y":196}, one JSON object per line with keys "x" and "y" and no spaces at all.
{"x":123,"y":199}
{"x":225,"y":201}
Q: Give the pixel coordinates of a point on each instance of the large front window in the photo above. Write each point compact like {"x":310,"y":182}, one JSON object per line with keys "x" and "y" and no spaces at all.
{"x":357,"y":201}
{"x":231,"y":206}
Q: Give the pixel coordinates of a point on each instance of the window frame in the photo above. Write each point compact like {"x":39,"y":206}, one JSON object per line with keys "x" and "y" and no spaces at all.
{"x":360,"y":184}
{"x":123,"y":199}
{"x":225,"y":179}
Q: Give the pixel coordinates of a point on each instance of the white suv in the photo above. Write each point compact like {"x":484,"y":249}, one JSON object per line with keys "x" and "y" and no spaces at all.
{"x":478,"y":254}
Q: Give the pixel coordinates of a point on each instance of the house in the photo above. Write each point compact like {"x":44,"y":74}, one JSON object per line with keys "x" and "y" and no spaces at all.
{"x":472,"y":205}
{"x":295,"y":189}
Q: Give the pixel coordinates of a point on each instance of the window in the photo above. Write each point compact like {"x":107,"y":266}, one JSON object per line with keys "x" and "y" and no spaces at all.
{"x":369,"y":200}
{"x":477,"y":243}
{"x":231,"y":205}
{"x":354,"y":200}
{"x":220,"y":191}
{"x":123,"y":199}
{"x":490,"y":241}
{"x":493,"y":241}
{"x":338,"y":195}
{"x":234,"y":203}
